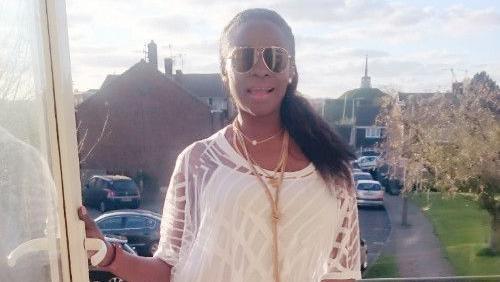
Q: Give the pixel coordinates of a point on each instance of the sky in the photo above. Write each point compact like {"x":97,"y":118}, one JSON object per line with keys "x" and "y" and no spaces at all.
{"x":411,"y":45}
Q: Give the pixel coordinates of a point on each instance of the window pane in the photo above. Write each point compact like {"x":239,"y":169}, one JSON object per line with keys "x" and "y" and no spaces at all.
{"x":29,"y":225}
{"x":135,"y":222}
{"x":112,"y":223}
{"x":148,"y":84}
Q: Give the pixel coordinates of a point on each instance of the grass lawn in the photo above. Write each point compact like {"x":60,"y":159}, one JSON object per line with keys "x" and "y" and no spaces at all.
{"x":463,"y":229}
{"x":384,"y":267}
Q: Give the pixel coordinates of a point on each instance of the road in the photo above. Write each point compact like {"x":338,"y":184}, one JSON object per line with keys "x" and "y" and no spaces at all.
{"x":375,"y":228}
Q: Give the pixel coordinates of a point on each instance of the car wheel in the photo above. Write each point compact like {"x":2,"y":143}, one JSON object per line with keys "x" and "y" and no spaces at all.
{"x":153,"y":247}
{"x":102,"y":206}
{"x":115,"y":279}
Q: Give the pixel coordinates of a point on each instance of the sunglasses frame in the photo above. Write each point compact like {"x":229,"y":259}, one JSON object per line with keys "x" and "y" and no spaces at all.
{"x":260,"y":55}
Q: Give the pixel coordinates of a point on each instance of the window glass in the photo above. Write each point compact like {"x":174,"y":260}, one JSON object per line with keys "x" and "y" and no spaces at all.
{"x":111,"y":223}
{"x":409,"y":86}
{"x":136,"y":222}
{"x":369,"y":186}
{"x":124,"y":185}
{"x":29,"y":224}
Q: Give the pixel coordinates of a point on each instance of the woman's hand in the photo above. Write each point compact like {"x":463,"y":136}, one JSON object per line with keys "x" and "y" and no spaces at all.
{"x":92,"y":231}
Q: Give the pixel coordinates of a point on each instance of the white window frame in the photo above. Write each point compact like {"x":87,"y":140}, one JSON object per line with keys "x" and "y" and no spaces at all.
{"x":61,"y":126}
{"x":373,"y":132}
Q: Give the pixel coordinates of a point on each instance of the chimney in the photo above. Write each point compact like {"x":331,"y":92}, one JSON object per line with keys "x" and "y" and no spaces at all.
{"x":153,"y":54}
{"x":168,"y":62}
{"x":178,"y":74}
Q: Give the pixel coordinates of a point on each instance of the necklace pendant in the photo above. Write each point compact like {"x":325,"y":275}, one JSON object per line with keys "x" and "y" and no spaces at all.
{"x":275,"y":217}
{"x":254,"y":142}
{"x":273,"y":182}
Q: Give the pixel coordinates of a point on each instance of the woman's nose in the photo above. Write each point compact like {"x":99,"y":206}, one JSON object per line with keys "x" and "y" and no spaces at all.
{"x":260,"y":68}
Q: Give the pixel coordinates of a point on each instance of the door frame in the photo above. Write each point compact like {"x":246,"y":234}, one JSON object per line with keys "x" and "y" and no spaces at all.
{"x":63,"y":143}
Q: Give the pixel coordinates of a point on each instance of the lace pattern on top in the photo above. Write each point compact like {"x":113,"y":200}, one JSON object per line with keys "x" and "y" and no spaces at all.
{"x":195,"y":167}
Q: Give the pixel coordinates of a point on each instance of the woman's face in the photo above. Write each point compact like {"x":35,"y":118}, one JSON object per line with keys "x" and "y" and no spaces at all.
{"x":259,"y":91}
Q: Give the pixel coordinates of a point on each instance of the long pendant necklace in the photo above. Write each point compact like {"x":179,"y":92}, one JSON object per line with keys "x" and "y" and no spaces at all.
{"x":274,"y":201}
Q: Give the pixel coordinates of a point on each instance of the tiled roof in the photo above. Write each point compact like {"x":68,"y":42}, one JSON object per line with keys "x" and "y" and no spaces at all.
{"x":202,"y":85}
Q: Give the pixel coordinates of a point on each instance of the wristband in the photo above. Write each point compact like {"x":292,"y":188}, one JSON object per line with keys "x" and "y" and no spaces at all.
{"x":114,"y":247}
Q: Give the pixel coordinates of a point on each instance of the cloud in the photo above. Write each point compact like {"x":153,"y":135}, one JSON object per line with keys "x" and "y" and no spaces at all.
{"x":172,"y":24}
{"x":408,"y":44}
{"x":459,"y":20}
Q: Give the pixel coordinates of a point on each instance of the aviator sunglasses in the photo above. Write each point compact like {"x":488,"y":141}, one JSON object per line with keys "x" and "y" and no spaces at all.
{"x":243,"y":59}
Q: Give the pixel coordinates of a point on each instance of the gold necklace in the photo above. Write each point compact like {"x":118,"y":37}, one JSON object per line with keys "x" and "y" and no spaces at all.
{"x":255,"y":142}
{"x":272,"y":178}
{"x":274,"y":201}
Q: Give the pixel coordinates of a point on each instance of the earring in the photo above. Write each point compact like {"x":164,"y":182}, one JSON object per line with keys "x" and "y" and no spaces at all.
{"x":289,"y":80}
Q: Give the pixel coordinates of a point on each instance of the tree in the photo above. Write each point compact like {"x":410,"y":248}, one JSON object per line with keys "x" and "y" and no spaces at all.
{"x":449,"y":141}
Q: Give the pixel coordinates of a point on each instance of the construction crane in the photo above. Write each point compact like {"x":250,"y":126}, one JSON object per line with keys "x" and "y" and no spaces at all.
{"x":453,"y":74}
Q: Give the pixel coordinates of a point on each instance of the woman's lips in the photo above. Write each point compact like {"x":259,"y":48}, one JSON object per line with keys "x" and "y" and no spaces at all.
{"x":260,"y":92}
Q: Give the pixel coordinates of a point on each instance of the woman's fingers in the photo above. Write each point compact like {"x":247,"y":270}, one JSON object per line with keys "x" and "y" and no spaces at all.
{"x":91,"y":229}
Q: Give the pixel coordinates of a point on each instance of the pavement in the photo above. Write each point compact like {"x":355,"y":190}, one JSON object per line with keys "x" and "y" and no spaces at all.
{"x":417,"y":249}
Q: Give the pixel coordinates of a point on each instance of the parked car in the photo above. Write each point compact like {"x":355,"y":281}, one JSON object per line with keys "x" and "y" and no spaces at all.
{"x":367,"y":162}
{"x":369,"y":193}
{"x":97,"y":274}
{"x":140,"y":227}
{"x":354,"y":164}
{"x":111,"y":191}
{"x":364,"y":254}
{"x":361,"y":176}
{"x":356,"y":170}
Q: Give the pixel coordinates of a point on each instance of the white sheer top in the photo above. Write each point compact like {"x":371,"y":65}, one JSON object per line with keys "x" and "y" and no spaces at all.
{"x":216,"y":222}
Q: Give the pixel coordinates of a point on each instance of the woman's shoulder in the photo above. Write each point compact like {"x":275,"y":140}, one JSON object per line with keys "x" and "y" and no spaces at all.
{"x":198,"y":148}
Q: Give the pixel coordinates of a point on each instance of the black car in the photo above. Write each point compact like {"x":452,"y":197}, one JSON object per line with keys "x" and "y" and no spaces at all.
{"x":140,"y":227}
{"x":111,"y":191}
{"x":97,"y":274}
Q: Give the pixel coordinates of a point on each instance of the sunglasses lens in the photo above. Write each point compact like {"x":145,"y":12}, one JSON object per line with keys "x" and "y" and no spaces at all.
{"x":243,"y":59}
{"x":276,"y":59}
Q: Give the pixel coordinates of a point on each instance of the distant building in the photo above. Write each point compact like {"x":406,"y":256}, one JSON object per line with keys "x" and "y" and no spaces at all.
{"x":353,"y":115}
{"x":138,"y":123}
{"x":318,"y":105}
{"x":208,"y":88}
{"x":79,"y":96}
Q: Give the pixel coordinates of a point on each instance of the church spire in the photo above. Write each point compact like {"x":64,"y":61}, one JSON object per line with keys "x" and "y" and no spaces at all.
{"x":366,"y":66}
{"x":366,"y":80}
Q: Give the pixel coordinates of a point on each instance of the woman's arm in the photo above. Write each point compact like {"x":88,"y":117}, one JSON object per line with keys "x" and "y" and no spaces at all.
{"x":134,"y":268}
{"x":129,"y":267}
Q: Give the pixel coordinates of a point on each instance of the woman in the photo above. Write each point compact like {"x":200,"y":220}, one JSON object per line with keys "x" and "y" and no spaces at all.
{"x":267,"y":198}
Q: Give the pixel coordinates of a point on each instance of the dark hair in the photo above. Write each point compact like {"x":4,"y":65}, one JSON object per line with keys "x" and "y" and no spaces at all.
{"x":326,"y":150}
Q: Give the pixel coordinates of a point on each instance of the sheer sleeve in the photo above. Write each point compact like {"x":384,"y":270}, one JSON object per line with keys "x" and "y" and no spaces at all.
{"x":344,"y":260}
{"x":176,"y":224}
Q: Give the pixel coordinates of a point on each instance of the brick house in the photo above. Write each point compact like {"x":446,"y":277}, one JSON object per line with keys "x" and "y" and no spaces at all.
{"x":137,"y":123}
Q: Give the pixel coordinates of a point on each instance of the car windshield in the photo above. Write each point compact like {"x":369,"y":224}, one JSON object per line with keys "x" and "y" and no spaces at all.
{"x":369,"y":186}
{"x":124,"y":185}
{"x":362,"y":177}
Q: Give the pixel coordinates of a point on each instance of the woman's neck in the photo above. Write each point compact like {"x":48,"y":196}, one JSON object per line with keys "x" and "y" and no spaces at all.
{"x":259,"y":127}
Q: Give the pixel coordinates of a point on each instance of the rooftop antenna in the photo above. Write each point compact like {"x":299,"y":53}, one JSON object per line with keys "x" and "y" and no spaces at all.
{"x":170,"y":50}
{"x":145,"y":52}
